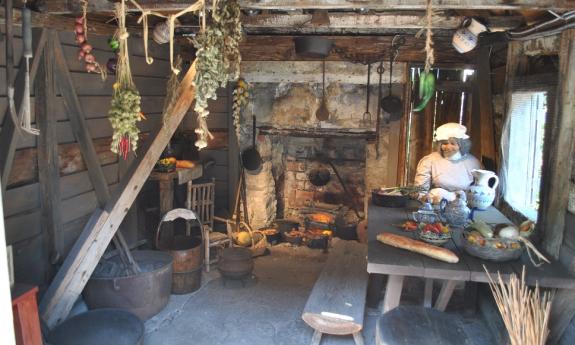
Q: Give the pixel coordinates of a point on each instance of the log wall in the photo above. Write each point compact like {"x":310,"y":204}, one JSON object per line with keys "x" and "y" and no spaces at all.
{"x":22,"y":199}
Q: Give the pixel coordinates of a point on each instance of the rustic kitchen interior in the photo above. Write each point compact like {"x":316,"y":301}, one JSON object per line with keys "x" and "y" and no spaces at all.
{"x":287,"y":172}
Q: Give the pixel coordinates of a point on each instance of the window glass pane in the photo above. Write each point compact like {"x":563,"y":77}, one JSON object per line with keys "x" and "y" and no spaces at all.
{"x":527,"y":123}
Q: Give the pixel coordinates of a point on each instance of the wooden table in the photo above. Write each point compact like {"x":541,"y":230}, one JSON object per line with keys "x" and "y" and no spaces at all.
{"x":166,"y":181}
{"x":398,"y":263}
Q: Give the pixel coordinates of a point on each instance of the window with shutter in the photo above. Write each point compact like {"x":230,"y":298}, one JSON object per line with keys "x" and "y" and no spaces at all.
{"x":525,"y":151}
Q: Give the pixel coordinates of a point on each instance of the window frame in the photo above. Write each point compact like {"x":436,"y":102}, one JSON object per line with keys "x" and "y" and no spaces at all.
{"x":542,"y":82}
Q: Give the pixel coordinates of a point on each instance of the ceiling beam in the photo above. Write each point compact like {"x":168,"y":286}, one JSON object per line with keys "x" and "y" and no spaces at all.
{"x":349,"y":48}
{"x":74,"y":6}
{"x":370,"y":23}
{"x":61,"y":23}
{"x":410,"y":4}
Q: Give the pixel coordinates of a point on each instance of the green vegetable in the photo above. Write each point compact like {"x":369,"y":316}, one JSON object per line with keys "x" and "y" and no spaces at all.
{"x":426,"y":89}
{"x":483,"y":228}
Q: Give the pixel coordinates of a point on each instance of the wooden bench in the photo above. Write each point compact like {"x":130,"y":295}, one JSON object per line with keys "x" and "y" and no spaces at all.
{"x":410,"y":325}
{"x":337,"y":302}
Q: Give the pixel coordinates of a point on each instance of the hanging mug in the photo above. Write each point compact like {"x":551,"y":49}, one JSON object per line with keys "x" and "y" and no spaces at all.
{"x":465,"y":38}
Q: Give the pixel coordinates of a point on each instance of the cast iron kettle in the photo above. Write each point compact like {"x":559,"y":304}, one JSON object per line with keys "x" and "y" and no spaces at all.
{"x":251,"y":158}
{"x":392,"y":104}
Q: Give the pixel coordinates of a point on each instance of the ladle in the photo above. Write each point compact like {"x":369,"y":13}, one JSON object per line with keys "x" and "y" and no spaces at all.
{"x":322,"y":113}
{"x":391,"y":104}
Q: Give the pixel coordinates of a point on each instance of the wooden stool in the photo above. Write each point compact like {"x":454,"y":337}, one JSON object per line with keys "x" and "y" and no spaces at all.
{"x":337,"y":301}
{"x":409,"y":325}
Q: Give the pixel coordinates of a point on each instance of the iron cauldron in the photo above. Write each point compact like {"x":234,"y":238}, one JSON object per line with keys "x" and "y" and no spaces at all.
{"x":143,"y":294}
{"x":97,"y":327}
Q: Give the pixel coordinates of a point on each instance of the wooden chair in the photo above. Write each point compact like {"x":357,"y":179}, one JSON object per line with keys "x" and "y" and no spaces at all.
{"x":201,"y":200}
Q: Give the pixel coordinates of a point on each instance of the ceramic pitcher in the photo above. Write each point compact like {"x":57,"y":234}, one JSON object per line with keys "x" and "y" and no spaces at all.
{"x":465,"y":38}
{"x":480,"y":195}
{"x":456,"y":212}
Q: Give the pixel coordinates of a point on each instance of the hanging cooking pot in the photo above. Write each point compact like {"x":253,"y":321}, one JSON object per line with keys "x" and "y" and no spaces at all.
{"x":391,"y":104}
{"x":251,"y":158}
{"x":319,"y":176}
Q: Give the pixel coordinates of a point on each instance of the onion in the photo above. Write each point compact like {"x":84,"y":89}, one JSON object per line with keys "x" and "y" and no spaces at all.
{"x":89,"y":58}
{"x":509,"y":232}
{"x":90,"y":67}
{"x":79,"y":28}
{"x":80,"y":38}
{"x":81,"y":54}
{"x":86,"y":47}
{"x":80,"y":20}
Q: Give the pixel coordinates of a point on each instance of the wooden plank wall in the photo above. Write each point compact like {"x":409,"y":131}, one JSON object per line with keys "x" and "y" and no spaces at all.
{"x":22,"y":199}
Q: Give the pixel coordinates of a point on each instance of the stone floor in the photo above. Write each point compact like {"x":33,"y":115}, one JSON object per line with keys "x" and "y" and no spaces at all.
{"x":268,"y":309}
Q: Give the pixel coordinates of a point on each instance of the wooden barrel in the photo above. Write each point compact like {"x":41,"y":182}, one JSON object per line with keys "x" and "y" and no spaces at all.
{"x":188,"y":255}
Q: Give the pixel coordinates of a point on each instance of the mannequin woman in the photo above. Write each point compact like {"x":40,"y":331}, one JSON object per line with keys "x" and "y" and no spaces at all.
{"x":447,"y":170}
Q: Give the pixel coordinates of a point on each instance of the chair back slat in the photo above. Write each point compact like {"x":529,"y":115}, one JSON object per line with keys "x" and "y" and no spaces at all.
{"x":201,"y":199}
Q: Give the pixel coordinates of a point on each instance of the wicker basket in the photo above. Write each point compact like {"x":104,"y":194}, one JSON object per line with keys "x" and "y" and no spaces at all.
{"x":258,"y":238}
{"x":490,"y":252}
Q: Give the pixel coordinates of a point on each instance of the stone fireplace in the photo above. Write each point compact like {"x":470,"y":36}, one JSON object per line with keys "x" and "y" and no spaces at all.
{"x":294,"y":144}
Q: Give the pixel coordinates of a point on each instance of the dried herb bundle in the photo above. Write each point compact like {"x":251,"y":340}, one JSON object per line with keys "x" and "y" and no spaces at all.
{"x":218,"y":60}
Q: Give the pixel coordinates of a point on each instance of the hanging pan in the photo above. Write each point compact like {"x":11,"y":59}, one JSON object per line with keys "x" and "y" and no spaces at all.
{"x":251,"y":158}
{"x":391,"y":104}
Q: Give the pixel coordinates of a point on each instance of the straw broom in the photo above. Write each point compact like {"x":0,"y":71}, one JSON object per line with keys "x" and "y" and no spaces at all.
{"x":525,"y":312}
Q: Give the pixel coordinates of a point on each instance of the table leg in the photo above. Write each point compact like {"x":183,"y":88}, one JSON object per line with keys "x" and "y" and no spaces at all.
{"x":445,"y":294}
{"x":374,"y":288}
{"x":166,"y":204}
{"x":316,"y":338}
{"x":428,"y":293}
{"x":392,"y":292}
{"x":358,"y":338}
{"x":471,"y":297}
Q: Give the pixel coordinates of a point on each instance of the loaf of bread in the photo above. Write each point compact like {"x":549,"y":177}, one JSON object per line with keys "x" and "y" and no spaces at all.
{"x":416,"y":246}
{"x":185,"y":164}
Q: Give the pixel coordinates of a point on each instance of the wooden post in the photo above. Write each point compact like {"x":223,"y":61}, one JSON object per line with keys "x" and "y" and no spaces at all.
{"x":233,"y":154}
{"x":555,"y":190}
{"x":77,"y":119}
{"x":555,"y":187}
{"x":48,"y":161}
{"x":484,"y":116}
{"x":88,"y":249}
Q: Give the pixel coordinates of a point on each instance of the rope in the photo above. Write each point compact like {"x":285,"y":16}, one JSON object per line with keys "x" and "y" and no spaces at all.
{"x":430,"y":53}
{"x":198,"y":5}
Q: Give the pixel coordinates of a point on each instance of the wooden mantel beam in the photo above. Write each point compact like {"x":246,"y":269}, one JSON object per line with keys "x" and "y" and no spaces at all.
{"x":346,"y":48}
{"x":73,"y":6}
{"x":98,"y":232}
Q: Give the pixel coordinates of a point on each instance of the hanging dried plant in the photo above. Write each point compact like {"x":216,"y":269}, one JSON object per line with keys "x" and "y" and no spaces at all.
{"x":241,"y":97}
{"x":125,"y":111}
{"x":218,"y":60}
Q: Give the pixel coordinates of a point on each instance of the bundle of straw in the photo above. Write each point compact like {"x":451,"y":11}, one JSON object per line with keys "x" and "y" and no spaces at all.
{"x":525,"y":312}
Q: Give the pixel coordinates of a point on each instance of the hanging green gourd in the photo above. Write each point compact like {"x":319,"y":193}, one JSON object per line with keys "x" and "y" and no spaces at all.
{"x":125,"y":112}
{"x":427,"y":78}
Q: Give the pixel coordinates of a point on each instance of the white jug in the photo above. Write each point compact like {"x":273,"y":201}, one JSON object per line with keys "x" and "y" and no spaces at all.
{"x":465,"y":38}
{"x":480,"y":195}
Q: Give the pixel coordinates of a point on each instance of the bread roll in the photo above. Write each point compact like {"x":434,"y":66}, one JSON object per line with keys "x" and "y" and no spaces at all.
{"x":420,"y":247}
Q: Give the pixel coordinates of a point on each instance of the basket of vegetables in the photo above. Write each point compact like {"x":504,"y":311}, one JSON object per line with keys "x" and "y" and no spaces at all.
{"x":434,"y":233}
{"x":499,"y":243}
